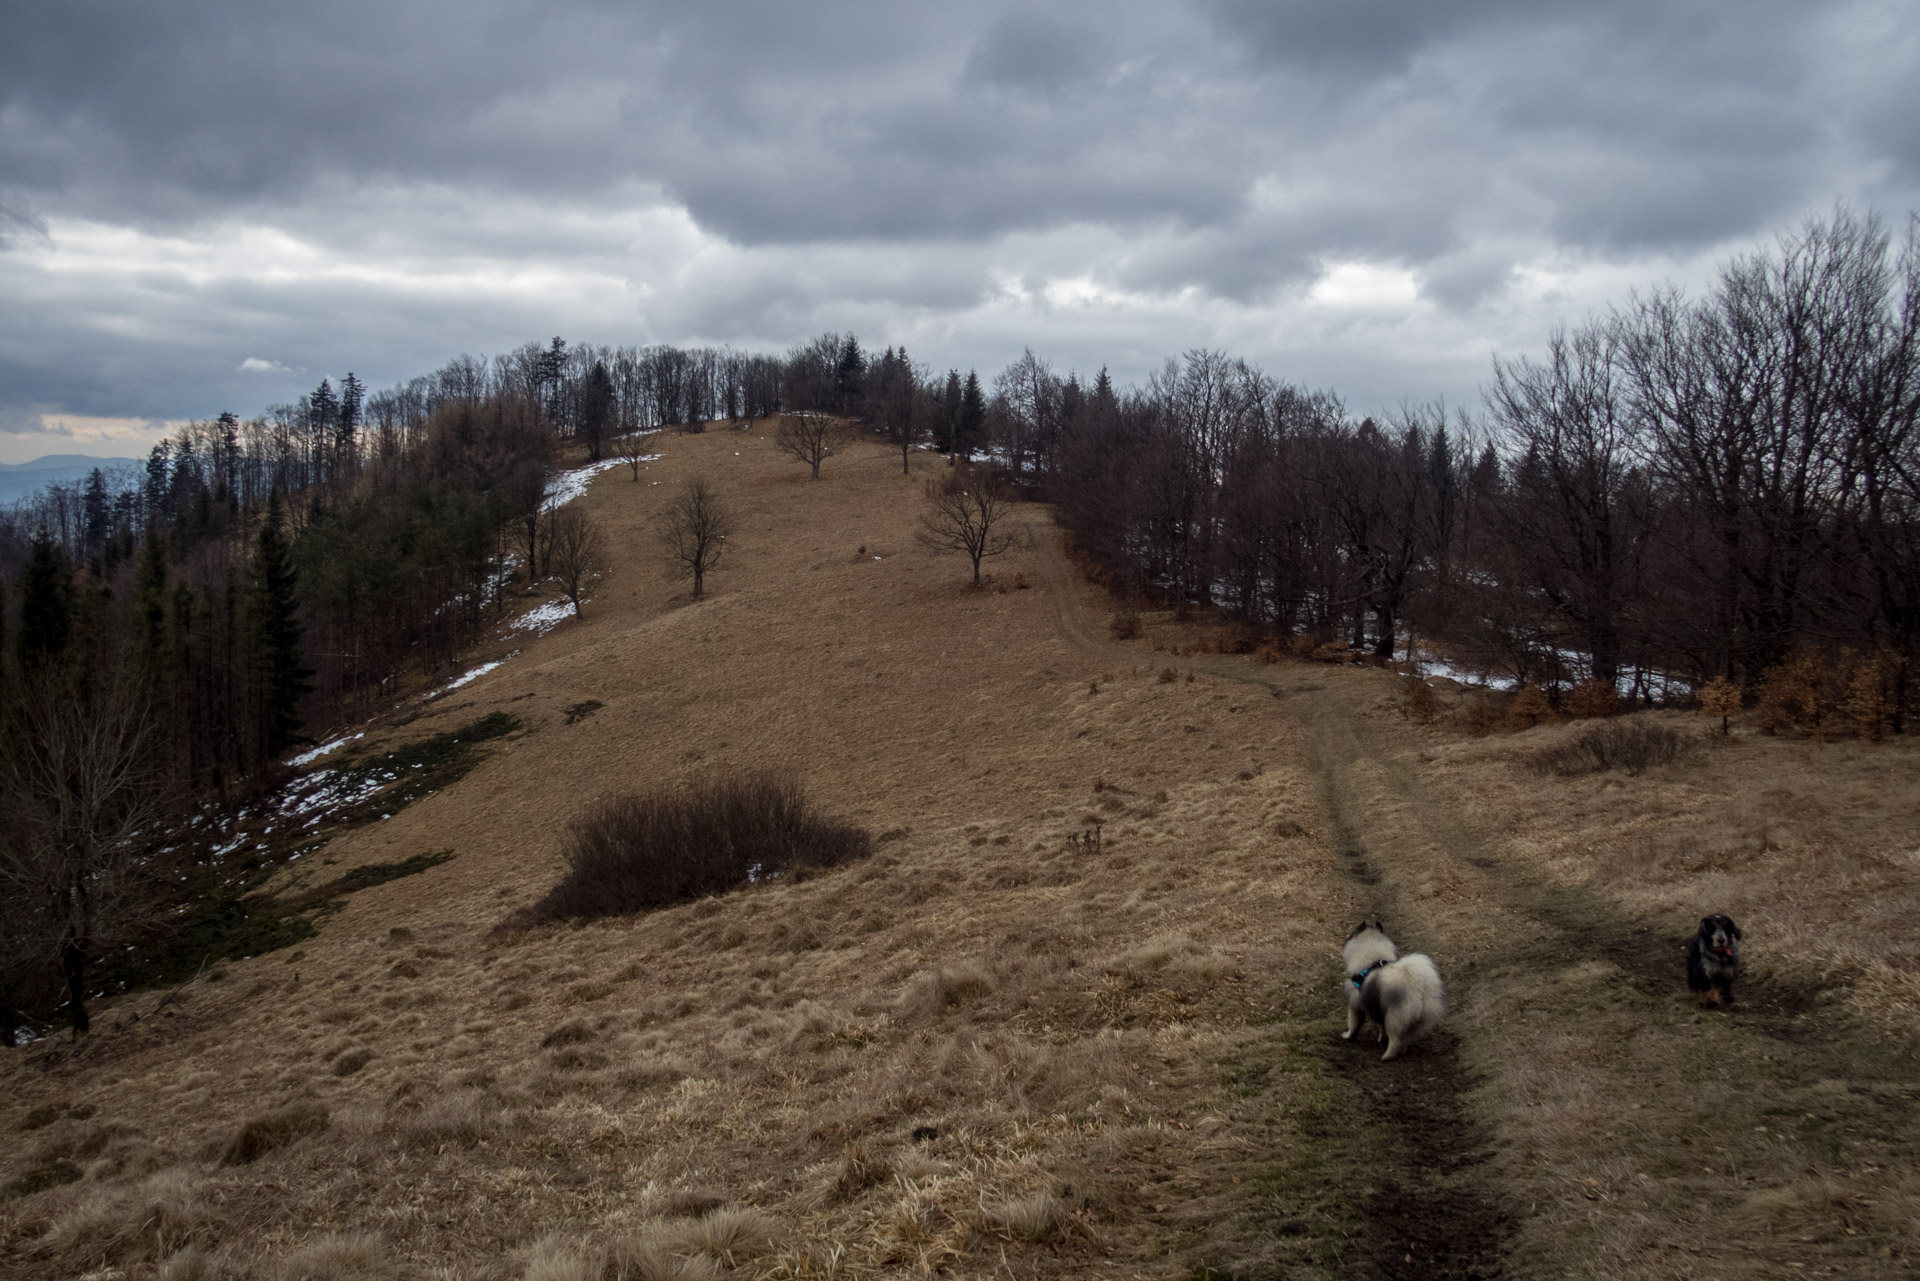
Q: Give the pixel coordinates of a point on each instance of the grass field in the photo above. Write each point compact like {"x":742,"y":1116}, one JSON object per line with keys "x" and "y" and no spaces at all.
{"x":990,"y":1050}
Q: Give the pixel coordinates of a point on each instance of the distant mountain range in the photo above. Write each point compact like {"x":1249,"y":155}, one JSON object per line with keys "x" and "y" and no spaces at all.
{"x":18,"y":480}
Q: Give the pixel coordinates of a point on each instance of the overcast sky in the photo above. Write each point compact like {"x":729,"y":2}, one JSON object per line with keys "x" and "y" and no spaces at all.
{"x":211,"y":206}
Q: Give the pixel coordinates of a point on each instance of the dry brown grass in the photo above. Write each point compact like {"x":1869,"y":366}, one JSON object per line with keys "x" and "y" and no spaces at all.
{"x":984,"y":1050}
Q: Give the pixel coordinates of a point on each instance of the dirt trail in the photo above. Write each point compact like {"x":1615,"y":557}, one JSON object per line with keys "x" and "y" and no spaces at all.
{"x":1430,"y":1210}
{"x":1435,"y":1205}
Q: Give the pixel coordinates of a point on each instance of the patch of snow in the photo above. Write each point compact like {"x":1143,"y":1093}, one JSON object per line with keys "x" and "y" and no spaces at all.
{"x":569,"y":485}
{"x":469,"y":677}
{"x":542,"y":619}
{"x":308,"y":758}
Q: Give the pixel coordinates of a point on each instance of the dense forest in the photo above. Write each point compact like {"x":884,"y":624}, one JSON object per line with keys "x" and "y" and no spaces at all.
{"x":1677,"y":490}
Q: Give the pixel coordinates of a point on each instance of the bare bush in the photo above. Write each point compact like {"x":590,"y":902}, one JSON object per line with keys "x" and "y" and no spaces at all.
{"x":1124,"y":625}
{"x":637,"y":852}
{"x":1633,"y":746}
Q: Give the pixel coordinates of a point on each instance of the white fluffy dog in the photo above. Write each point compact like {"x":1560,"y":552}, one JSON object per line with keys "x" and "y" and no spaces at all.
{"x":1403,"y":994}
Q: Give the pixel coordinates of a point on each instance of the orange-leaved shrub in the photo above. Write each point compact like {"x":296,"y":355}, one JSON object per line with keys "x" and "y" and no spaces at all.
{"x":1831,"y":694}
{"x":1528,"y":708}
{"x":1591,"y":699}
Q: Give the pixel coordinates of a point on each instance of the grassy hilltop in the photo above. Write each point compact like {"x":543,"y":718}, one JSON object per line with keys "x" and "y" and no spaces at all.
{"x":987,"y":1049}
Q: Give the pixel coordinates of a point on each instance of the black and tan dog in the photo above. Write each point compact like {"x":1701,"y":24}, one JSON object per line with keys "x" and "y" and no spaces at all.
{"x":1713,"y":958}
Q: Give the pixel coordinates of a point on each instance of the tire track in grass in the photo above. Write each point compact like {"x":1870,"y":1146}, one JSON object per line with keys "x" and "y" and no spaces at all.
{"x":1426,"y":1209}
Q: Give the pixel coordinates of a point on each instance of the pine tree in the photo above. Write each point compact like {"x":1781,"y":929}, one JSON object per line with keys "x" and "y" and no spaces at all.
{"x":596,"y":408}
{"x":346,"y":443}
{"x":973,"y":417}
{"x":150,"y":604}
{"x":276,"y":631}
{"x":46,"y":603}
{"x":850,"y":378}
{"x":950,"y":413}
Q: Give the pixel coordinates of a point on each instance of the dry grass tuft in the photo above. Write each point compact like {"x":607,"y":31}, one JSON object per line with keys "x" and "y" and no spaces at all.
{"x":351,"y":1061}
{"x":273,"y":1130}
{"x":572,"y":1032}
{"x":1124,"y":625}
{"x":190,"y":1264}
{"x":452,"y":1123}
{"x":353,"y":1256}
{"x":163,"y":1214}
{"x":1038,"y":1218}
{"x":939,"y":990}
{"x":645,"y":1256}
{"x":735,"y":1236}
{"x":559,"y":1259}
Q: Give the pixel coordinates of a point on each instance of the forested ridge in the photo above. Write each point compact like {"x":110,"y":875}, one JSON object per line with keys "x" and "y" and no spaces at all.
{"x":1677,"y":490}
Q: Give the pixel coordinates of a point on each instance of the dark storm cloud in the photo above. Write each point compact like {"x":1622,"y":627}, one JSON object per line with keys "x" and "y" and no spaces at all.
{"x":854,"y":160}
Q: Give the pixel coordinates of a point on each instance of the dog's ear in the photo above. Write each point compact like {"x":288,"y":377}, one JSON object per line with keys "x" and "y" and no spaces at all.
{"x":1732,"y":928}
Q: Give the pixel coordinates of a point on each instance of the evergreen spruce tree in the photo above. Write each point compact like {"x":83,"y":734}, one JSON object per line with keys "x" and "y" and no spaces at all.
{"x":150,"y":605}
{"x":950,"y":414}
{"x":850,"y":378}
{"x":597,"y":409}
{"x":46,"y":603}
{"x":275,"y":627}
{"x":973,"y":416}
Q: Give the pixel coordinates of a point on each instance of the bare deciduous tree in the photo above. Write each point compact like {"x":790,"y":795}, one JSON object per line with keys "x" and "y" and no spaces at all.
{"x":967,"y":513}
{"x":695,"y":529}
{"x":811,"y":438}
{"x":578,"y":552}
{"x":81,"y":785}
{"x":633,"y":449}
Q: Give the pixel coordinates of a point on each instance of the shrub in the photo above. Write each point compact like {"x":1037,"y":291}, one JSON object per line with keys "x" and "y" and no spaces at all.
{"x":1481,"y":717}
{"x":638,"y":852}
{"x":1790,"y":696}
{"x":1168,"y":676}
{"x":1304,"y":645}
{"x":1720,"y":697}
{"x":1236,"y":638}
{"x":1591,"y":699}
{"x":1528,"y":708}
{"x":1124,"y":625}
{"x":273,"y":1130}
{"x":1332,"y":652}
{"x":1268,"y":653}
{"x":1420,"y":701}
{"x":1632,"y":746}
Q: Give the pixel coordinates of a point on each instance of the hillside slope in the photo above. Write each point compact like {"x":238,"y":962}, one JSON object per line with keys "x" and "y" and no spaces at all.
{"x":988,"y":1049}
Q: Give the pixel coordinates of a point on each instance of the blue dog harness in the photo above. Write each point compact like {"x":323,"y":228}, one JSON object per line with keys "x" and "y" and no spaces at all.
{"x":1360,"y":979}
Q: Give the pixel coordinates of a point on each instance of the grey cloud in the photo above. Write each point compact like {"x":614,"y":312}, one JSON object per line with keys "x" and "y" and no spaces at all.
{"x":881,"y":169}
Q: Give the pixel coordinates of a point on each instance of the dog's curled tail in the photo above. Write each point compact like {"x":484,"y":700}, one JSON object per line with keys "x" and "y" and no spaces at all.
{"x":1415,"y":1001}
